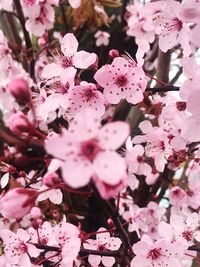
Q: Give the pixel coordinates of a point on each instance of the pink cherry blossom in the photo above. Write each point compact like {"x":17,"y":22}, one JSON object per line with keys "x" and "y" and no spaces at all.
{"x":86,"y":95}
{"x":122,"y":79}
{"x":67,"y":236}
{"x":159,"y":253}
{"x":102,"y":38}
{"x":103,"y":242}
{"x":91,"y":150}
{"x":140,"y":24}
{"x":70,"y":58}
{"x":172,"y":30}
{"x":177,"y":196}
{"x":17,"y":248}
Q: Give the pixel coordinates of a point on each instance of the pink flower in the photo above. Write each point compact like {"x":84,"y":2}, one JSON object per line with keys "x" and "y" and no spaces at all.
{"x":177,"y":196}
{"x":103,"y":242}
{"x":17,"y":248}
{"x":140,"y":25}
{"x":122,"y":79}
{"x":102,"y":38}
{"x":70,"y":58}
{"x":160,"y":253}
{"x":185,"y":230}
{"x":86,"y":95}
{"x":136,"y":161}
{"x":40,"y":17}
{"x":17,"y":202}
{"x":43,"y":234}
{"x":172,"y":30}
{"x":86,"y":151}
{"x":67,"y":236}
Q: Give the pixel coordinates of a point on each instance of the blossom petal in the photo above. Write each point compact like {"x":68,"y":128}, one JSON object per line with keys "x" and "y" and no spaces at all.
{"x":69,"y":45}
{"x":110,"y":167}
{"x":114,"y":134}
{"x":83,"y":60}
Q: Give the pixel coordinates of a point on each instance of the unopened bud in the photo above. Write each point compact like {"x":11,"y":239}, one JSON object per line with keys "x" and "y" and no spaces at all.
{"x":19,"y":123}
{"x":19,"y":88}
{"x":51,"y":179}
{"x":17,"y":202}
{"x":36,"y":213}
{"x":113,"y":53}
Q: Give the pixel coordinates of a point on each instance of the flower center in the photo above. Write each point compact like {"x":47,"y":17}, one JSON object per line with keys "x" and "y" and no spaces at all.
{"x":90,"y":149}
{"x":88,"y":94}
{"x":187,"y":235}
{"x":58,"y":87}
{"x":154,"y":254}
{"x":174,"y":25}
{"x":121,"y":81}
{"x":66,"y":62}
{"x":22,"y":247}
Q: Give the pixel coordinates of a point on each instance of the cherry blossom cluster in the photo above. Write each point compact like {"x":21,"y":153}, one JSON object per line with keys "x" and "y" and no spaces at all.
{"x":99,"y":146}
{"x":173,"y":22}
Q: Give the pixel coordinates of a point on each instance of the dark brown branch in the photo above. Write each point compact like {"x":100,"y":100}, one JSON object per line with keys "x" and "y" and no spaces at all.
{"x":62,"y":9}
{"x":27,"y":38}
{"x":194,"y":248}
{"x":163,"y":89}
{"x":115,"y":217}
{"x":83,"y":251}
{"x":10,"y":138}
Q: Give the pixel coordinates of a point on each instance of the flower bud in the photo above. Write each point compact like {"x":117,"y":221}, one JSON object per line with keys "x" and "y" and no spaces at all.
{"x":19,"y":123}
{"x":19,"y":88}
{"x":113,"y":53}
{"x":36,"y":213}
{"x":51,"y":179}
{"x":17,"y":202}
{"x":42,"y":41}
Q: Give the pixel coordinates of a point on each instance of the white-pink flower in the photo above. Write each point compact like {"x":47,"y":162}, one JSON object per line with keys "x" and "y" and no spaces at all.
{"x":102,"y":38}
{"x":172,"y":30}
{"x":122,"y":79}
{"x":160,"y":253}
{"x":103,"y":242}
{"x":87,"y":150}
{"x":70,"y":58}
{"x":17,"y":248}
{"x":86,"y":95}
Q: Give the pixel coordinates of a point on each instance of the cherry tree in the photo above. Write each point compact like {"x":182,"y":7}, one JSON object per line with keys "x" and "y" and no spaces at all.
{"x":99,"y":133}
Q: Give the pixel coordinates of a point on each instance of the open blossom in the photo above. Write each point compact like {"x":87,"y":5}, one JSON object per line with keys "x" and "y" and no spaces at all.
{"x":141,"y":26}
{"x":17,"y":248}
{"x":103,"y":242}
{"x":86,"y":95}
{"x":87,"y":151}
{"x":102,"y":38}
{"x":67,"y":236}
{"x":70,"y":58}
{"x":170,"y":27}
{"x":160,"y":145}
{"x":185,"y":230}
{"x":160,"y":253}
{"x":122,"y":79}
{"x":177,"y":196}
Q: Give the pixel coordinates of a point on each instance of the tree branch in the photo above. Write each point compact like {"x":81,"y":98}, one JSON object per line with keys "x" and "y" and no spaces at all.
{"x":163,"y":89}
{"x":27,"y":38}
